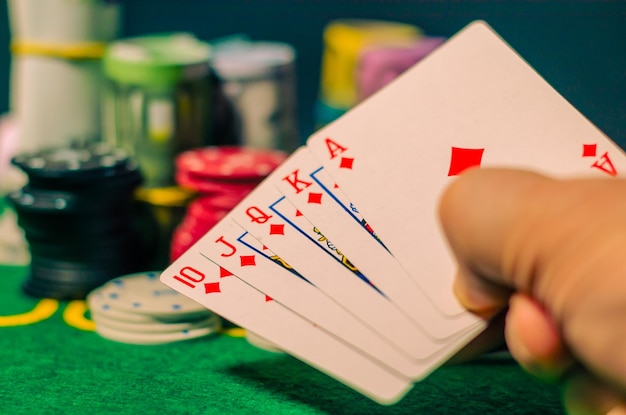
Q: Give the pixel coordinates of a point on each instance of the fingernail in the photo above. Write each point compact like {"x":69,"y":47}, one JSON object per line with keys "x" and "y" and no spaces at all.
{"x":475,"y":299}
{"x":517,"y":347}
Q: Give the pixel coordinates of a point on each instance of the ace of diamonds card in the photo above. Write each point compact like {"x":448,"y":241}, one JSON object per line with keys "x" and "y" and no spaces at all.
{"x":472,"y":102}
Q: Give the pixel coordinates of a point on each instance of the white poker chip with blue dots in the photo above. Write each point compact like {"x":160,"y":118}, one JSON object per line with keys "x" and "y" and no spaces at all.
{"x":98,"y":305}
{"x":139,"y":309}
{"x":152,"y":338}
{"x":213,"y":322}
{"x":144,"y":294}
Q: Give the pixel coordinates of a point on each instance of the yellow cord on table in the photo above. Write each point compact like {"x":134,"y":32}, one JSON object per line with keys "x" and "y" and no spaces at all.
{"x":233,"y":332}
{"x":74,"y":316}
{"x":43,"y":310}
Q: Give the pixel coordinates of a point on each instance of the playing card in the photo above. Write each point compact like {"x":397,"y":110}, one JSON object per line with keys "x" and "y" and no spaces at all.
{"x":233,"y":248}
{"x":340,"y":222}
{"x":338,"y":257}
{"x":218,"y":290}
{"x":329,"y":275}
{"x":472,"y":102}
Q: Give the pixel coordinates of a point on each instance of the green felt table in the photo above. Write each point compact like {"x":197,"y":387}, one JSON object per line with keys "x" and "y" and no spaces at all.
{"x":53,"y":363}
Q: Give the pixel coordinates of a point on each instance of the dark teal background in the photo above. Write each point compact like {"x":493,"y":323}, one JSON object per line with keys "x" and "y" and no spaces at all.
{"x":578,"y":46}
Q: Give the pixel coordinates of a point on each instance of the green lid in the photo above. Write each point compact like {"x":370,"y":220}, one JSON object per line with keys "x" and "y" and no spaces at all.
{"x":159,"y":61}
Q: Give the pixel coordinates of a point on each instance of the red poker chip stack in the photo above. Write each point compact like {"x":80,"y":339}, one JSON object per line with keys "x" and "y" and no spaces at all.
{"x":222,"y":177}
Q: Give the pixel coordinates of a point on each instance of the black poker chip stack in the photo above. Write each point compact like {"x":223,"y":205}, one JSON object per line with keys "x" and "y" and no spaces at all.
{"x":77,"y":215}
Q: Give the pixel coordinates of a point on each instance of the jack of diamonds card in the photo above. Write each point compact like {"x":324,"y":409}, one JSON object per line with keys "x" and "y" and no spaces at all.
{"x":329,"y":275}
{"x":235,"y":250}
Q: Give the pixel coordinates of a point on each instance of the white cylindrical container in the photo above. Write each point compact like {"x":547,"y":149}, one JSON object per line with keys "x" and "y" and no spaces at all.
{"x":56,"y":70}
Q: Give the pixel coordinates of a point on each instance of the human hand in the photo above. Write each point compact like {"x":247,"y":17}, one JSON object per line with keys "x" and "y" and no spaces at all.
{"x":554,"y":251}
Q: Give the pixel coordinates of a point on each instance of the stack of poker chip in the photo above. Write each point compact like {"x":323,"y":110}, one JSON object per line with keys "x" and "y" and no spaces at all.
{"x":139,"y":309}
{"x":77,"y":216}
{"x":344,"y":41}
{"x":222,"y":177}
{"x":378,"y":66}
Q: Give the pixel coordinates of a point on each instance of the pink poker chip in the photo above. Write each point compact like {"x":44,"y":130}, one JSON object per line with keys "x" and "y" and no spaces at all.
{"x":377,"y":67}
{"x":181,"y":241}
{"x":201,"y":208}
{"x":205,"y":185}
{"x":229,"y":162}
{"x":217,"y":202}
{"x":185,"y":235}
{"x":205,"y":222}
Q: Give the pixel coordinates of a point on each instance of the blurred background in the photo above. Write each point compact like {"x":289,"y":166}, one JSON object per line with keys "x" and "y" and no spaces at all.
{"x":164,"y":82}
{"x":578,"y":46}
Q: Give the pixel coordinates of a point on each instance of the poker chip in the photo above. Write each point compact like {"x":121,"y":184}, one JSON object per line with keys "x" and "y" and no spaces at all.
{"x":222,"y":178}
{"x":77,"y":214}
{"x":66,"y":281}
{"x":139,"y":309}
{"x":67,"y":276}
{"x":153,"y":338}
{"x":28,"y":199}
{"x":215,"y":202}
{"x":190,"y":230}
{"x":188,"y":233}
{"x":203,"y":210}
{"x":73,"y":226}
{"x":98,"y":306}
{"x":208,"y":185}
{"x":143,"y":293}
{"x":154,"y":327}
{"x":236,"y":163}
{"x":77,"y":163}
{"x":69,"y":249}
{"x":42,"y":289}
{"x":183,"y":239}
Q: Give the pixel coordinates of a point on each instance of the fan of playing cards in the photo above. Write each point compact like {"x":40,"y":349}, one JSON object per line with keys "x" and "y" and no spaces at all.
{"x":337,"y":257}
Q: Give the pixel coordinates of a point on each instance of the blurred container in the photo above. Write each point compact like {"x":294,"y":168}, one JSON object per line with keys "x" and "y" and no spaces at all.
{"x":257,"y":82}
{"x":56,"y":72}
{"x":378,"y":66}
{"x":11,"y":178}
{"x":344,"y":40}
{"x":158,"y":100}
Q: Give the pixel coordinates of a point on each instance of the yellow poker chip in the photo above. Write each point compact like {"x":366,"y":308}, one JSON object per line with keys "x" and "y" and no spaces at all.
{"x":165,"y":196}
{"x":344,"y":41}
